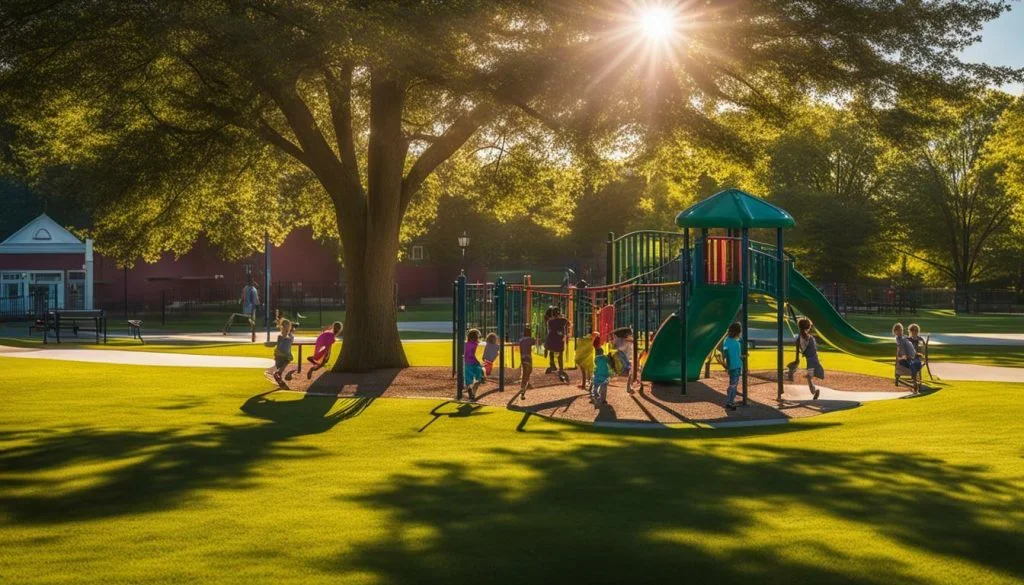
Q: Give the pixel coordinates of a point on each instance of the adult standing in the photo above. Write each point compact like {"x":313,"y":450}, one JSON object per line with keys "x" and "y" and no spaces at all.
{"x":250,"y":301}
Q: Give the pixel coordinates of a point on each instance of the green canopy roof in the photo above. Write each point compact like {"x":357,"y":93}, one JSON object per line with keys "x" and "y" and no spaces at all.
{"x":733,"y":208}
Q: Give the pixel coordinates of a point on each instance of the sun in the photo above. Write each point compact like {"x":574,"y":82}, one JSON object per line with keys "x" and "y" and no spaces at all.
{"x":657,"y":22}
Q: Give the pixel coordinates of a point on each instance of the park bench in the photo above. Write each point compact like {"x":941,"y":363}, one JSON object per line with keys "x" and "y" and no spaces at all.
{"x":56,"y":321}
{"x":135,"y":329}
{"x":904,"y":372}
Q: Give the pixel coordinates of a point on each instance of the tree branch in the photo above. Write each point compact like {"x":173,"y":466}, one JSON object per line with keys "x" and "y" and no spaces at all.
{"x":504,"y":96}
{"x":339,"y":96}
{"x":421,"y":137}
{"x":271,"y":135}
{"x":319,"y":157}
{"x":943,"y":268}
{"x":444,"y":147}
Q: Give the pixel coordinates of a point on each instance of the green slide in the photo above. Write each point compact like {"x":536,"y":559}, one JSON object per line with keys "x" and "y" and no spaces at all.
{"x":713,"y":308}
{"x":829,"y":324}
{"x":710,"y":311}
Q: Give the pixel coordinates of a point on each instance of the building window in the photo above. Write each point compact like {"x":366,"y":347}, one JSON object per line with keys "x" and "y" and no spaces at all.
{"x":74,"y":290}
{"x":416,"y":253}
{"x":42,"y":234}
{"x":247,"y":269}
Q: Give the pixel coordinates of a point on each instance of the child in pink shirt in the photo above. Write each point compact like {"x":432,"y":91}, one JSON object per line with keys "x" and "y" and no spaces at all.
{"x":322,"y":348}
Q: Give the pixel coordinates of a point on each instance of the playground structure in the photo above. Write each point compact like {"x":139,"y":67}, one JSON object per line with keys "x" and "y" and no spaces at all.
{"x":678,"y":299}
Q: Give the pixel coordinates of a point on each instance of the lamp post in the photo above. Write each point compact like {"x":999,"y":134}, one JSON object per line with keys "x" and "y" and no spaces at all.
{"x":463,"y":244}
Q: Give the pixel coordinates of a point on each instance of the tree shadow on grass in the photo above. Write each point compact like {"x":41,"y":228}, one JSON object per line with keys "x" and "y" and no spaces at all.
{"x":155,"y":470}
{"x":647,"y":512}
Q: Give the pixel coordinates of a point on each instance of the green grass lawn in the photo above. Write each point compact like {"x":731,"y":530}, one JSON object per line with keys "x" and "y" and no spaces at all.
{"x":438,"y":353}
{"x":115,"y":474}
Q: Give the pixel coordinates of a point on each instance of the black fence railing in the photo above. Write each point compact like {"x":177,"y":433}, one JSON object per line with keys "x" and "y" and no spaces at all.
{"x":204,"y":307}
{"x":895,"y":300}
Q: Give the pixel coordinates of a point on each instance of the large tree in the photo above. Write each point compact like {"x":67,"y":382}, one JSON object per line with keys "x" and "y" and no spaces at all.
{"x":230,"y":117}
{"x":950,"y":202}
{"x":829,"y":171}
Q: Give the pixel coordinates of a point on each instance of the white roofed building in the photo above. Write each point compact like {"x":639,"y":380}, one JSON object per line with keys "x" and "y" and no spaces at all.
{"x":43,"y":266}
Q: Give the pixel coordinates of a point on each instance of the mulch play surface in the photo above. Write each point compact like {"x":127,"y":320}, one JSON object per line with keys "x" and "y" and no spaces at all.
{"x":661,"y":404}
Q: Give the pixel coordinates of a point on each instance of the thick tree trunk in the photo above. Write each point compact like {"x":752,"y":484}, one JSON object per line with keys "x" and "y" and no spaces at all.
{"x":371,"y":338}
{"x":371,"y":242}
{"x":962,"y":300}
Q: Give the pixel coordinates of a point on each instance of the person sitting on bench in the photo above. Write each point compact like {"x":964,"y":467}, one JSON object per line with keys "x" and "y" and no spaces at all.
{"x":906,"y":356}
{"x":322,"y":348}
{"x":250,"y":300}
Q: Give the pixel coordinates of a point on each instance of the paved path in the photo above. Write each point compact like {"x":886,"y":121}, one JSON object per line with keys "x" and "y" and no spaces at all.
{"x":768,"y":337}
{"x":800,"y":393}
{"x":138,"y":358}
{"x":976,"y":373}
{"x":443,"y":329}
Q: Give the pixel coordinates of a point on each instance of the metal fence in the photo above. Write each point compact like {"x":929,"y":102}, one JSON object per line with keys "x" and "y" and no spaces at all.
{"x":852,"y":299}
{"x":311,"y":302}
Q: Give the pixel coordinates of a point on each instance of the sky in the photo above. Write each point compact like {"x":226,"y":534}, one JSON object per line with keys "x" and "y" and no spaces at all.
{"x":1002,"y":43}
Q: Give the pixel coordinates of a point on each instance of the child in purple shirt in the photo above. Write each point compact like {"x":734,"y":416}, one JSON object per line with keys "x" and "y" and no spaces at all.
{"x":473,"y":373}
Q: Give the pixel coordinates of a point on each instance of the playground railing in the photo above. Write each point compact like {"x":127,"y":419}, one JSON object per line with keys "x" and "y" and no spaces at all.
{"x":639,"y":252}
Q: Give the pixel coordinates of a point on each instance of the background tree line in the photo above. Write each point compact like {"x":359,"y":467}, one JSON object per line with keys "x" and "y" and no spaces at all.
{"x":940,"y":204}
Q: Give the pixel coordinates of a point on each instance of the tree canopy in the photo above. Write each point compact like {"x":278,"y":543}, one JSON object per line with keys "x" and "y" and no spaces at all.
{"x":950,"y":202}
{"x":233,"y":117}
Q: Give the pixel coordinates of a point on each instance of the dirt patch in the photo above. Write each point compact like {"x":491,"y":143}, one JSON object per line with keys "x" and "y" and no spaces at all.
{"x":703,"y":402}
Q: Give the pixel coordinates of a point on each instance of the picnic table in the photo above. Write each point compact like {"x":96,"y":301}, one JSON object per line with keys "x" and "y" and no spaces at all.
{"x":73,"y":319}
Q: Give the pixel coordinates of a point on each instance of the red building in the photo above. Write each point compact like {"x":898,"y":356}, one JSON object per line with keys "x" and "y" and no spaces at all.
{"x":43,"y":265}
{"x":203,"y":276}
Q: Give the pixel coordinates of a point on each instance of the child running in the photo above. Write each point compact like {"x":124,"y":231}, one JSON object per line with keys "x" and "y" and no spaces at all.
{"x":473,"y":374}
{"x":526,"y":343}
{"x":283,"y":351}
{"x":732,"y":348}
{"x":599,"y":386}
{"x":809,"y":347}
{"x":491,"y":348}
{"x":322,"y":348}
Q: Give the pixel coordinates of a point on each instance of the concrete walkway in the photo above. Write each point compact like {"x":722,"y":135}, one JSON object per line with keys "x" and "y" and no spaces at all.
{"x":800,"y":393}
{"x":768,"y":337}
{"x":976,"y":373}
{"x":137,"y":358}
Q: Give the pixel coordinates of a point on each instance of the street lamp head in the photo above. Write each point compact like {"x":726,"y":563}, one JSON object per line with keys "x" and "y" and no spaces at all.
{"x":463,"y":241}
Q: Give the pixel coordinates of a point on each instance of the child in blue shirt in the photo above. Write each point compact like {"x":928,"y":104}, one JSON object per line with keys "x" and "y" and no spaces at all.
{"x":599,"y":383}
{"x":733,"y":351}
